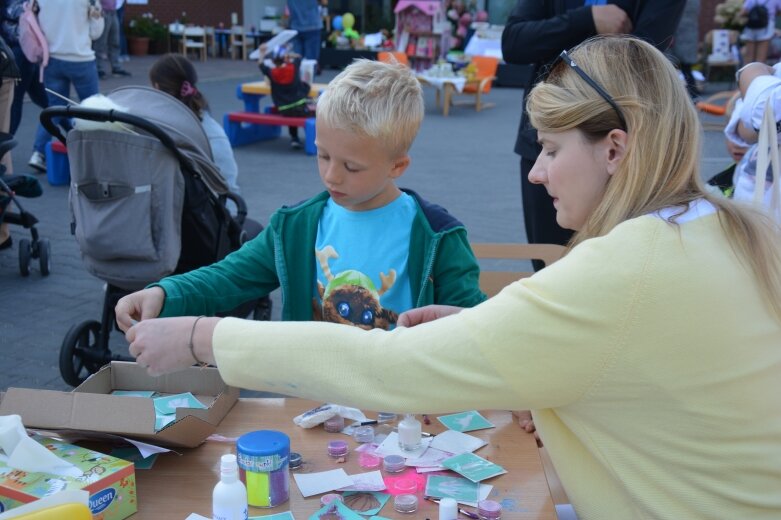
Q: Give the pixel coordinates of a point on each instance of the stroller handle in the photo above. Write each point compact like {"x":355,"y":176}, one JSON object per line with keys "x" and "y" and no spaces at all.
{"x":93,"y":114}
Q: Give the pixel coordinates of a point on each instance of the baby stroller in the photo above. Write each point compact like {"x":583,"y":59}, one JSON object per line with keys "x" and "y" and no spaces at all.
{"x":146,"y":201}
{"x":24,"y":186}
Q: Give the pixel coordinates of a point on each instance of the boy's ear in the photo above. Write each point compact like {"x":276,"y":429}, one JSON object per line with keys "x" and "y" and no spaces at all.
{"x":400,"y":165}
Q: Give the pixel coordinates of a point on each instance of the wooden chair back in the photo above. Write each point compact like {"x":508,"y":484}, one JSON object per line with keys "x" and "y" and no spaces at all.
{"x":239,"y":42}
{"x":491,"y":281}
{"x":486,"y":73}
{"x":194,"y":38}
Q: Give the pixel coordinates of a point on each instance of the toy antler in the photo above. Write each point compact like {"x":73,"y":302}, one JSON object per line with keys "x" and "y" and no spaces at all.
{"x":387,"y":281}
{"x":322,"y":257}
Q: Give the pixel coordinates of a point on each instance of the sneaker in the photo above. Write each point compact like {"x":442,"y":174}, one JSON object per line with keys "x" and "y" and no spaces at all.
{"x":38,"y":162}
{"x":101,"y":74}
{"x":121,"y":73}
{"x":124,"y":58}
{"x":295,"y":144}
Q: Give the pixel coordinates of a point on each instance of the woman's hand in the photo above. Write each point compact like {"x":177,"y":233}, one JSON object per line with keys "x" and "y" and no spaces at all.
{"x":139,"y":306}
{"x":425,"y":314}
{"x":163,"y":345}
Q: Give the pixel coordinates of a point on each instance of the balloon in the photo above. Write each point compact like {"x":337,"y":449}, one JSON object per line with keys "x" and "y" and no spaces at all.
{"x":337,"y":23}
{"x":348,"y":20}
{"x":351,"y":34}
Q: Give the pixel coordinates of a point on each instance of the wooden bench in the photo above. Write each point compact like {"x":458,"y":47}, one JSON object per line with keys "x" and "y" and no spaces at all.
{"x":248,"y":127}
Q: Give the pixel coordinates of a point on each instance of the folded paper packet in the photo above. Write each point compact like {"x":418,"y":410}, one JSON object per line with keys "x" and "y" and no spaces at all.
{"x":24,"y":454}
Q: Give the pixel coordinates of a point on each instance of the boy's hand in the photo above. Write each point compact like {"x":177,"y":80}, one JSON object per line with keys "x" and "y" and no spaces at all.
{"x":139,"y":306}
{"x":425,"y":314}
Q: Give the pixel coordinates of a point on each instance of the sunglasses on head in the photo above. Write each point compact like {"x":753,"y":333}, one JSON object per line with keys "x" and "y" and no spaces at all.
{"x":565,"y":57}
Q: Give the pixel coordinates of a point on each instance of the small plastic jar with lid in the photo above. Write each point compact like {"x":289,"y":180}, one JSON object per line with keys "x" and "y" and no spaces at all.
{"x":334,"y":425}
{"x":406,"y":486}
{"x":338,"y":449}
{"x":405,"y":503}
{"x":386,"y":417}
{"x":489,"y":510}
{"x":393,"y":463}
{"x":330,"y":498}
{"x":363,"y":434}
{"x":294,"y":461}
{"x":369,"y":460}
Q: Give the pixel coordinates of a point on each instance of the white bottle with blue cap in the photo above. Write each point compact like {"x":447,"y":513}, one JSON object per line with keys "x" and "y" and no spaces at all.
{"x":229,"y":499}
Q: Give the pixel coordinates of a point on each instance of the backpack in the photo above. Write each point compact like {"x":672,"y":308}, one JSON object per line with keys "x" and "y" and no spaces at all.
{"x":758,"y":17}
{"x":31,"y":38}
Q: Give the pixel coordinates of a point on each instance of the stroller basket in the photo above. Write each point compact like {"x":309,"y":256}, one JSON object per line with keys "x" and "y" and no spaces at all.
{"x":146,"y":201}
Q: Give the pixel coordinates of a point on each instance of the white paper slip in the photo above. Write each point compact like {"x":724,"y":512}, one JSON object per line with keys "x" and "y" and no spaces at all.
{"x":280,"y":39}
{"x":483,"y":490}
{"x":369,"y":481}
{"x":315,"y":483}
{"x":390,"y":446}
{"x":457,"y":442}
{"x":432,"y":457}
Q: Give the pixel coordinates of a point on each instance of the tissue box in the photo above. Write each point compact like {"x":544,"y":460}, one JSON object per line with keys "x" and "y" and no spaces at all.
{"x":111,"y":482}
{"x":91,"y":407}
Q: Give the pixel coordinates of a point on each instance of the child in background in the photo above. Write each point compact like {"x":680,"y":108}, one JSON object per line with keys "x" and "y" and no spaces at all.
{"x":289,"y":94}
{"x":361,"y":252}
{"x":175,"y":75}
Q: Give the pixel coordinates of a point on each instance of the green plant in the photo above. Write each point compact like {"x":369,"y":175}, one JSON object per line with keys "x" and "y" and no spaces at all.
{"x":729,"y":15}
{"x":147,"y":26}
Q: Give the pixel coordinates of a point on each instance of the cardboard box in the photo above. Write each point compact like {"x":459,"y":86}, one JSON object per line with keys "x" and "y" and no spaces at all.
{"x":111,"y":482}
{"x":91,"y":406}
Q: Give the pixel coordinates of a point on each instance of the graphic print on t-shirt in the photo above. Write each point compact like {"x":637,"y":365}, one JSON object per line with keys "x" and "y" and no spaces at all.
{"x":350,"y":297}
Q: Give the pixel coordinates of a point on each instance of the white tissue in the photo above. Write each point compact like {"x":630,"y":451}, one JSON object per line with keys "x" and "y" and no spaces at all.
{"x":24,"y":454}
{"x":324,"y":412}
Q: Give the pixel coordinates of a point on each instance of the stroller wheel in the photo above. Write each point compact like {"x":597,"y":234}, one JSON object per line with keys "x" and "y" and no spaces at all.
{"x":25,"y":254}
{"x":44,"y":257}
{"x":76,"y":363}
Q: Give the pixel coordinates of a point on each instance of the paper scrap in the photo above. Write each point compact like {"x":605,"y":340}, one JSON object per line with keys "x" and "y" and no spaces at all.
{"x":473,"y":467}
{"x":457,"y":442}
{"x":280,"y":39}
{"x":196,"y":516}
{"x":315,"y":483}
{"x":369,"y":481}
{"x":366,"y":502}
{"x":132,"y":455}
{"x":483,"y":490}
{"x":287,"y":515}
{"x":459,"y":488}
{"x":134,"y":393}
{"x":465,"y":421}
{"x":169,"y":403}
{"x":146,"y":449}
{"x":336,"y":509}
{"x":432,"y":457}
{"x":390,"y":446}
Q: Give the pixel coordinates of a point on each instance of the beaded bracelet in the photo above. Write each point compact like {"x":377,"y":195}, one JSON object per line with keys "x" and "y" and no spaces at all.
{"x":202,"y":364}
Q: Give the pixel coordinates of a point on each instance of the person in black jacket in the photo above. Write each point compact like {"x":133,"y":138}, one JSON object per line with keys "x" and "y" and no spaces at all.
{"x":535,"y":33}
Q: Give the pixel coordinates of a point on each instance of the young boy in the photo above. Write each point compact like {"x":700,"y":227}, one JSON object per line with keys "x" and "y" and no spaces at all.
{"x":359,"y":253}
{"x":289,"y":94}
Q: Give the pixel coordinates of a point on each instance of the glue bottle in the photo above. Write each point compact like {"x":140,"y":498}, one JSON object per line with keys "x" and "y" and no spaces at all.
{"x":409,"y":433}
{"x":229,"y":499}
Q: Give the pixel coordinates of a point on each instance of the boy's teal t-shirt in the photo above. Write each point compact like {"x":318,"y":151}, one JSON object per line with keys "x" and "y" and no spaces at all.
{"x":351,"y":250}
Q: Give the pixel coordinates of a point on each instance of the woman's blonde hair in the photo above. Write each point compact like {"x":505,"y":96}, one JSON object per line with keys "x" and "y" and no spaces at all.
{"x":660,"y":168}
{"x":380,"y":100}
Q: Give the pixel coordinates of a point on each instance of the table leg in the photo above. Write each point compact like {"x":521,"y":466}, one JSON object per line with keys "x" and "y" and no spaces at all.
{"x":448,"y":98}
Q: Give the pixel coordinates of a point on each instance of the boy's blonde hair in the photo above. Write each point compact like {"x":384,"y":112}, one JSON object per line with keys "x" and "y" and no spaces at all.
{"x":383,"y":101}
{"x":661,"y":166}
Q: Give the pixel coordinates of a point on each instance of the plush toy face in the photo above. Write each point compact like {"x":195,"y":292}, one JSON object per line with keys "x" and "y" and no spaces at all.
{"x":356,"y":305}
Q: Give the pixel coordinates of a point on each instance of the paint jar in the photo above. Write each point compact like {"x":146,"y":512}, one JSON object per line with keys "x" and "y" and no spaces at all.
{"x":330,"y":497}
{"x":363,"y":434}
{"x":338,"y":449}
{"x":385,"y":422}
{"x":489,"y":510}
{"x":409,"y":433}
{"x":393,"y":463}
{"x":334,"y":425}
{"x":295,"y":461}
{"x":368,"y":460}
{"x":386,"y":417}
{"x":406,"y":486}
{"x":405,"y":503}
{"x":263,"y":467}
{"x":448,"y":509}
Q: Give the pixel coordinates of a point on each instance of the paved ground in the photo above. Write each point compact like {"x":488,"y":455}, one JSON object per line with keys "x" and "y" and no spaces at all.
{"x":464,"y":162}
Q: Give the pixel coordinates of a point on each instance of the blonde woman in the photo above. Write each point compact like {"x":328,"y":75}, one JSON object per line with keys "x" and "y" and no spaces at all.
{"x":650,"y":354}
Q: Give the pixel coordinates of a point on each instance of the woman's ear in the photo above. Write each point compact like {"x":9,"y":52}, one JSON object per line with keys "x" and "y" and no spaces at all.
{"x":616,"y":149}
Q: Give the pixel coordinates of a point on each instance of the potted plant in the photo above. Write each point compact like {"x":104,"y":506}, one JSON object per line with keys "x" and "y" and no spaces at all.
{"x":730,"y":15}
{"x":145,"y":33}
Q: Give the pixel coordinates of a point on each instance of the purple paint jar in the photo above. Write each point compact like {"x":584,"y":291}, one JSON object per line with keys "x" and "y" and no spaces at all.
{"x":489,"y":510}
{"x":337,"y":449}
{"x":334,"y":425}
{"x":393,"y":463}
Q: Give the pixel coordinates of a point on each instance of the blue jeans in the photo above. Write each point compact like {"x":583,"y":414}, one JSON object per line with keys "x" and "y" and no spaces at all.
{"x":307,"y":44}
{"x":30,"y":83}
{"x":59,"y":75}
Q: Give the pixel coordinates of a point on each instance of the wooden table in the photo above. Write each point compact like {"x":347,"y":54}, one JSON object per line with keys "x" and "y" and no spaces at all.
{"x":177,"y":486}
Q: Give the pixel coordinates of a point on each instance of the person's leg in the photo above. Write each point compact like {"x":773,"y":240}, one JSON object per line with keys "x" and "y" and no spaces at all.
{"x":83,"y":75}
{"x":298,"y":44}
{"x":539,"y":215}
{"x":762,"y":48}
{"x":749,"y":51}
{"x":311,"y":42}
{"x":55,"y":78}
{"x":112,"y":28}
{"x":122,"y":38}
{"x":100,"y":46}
